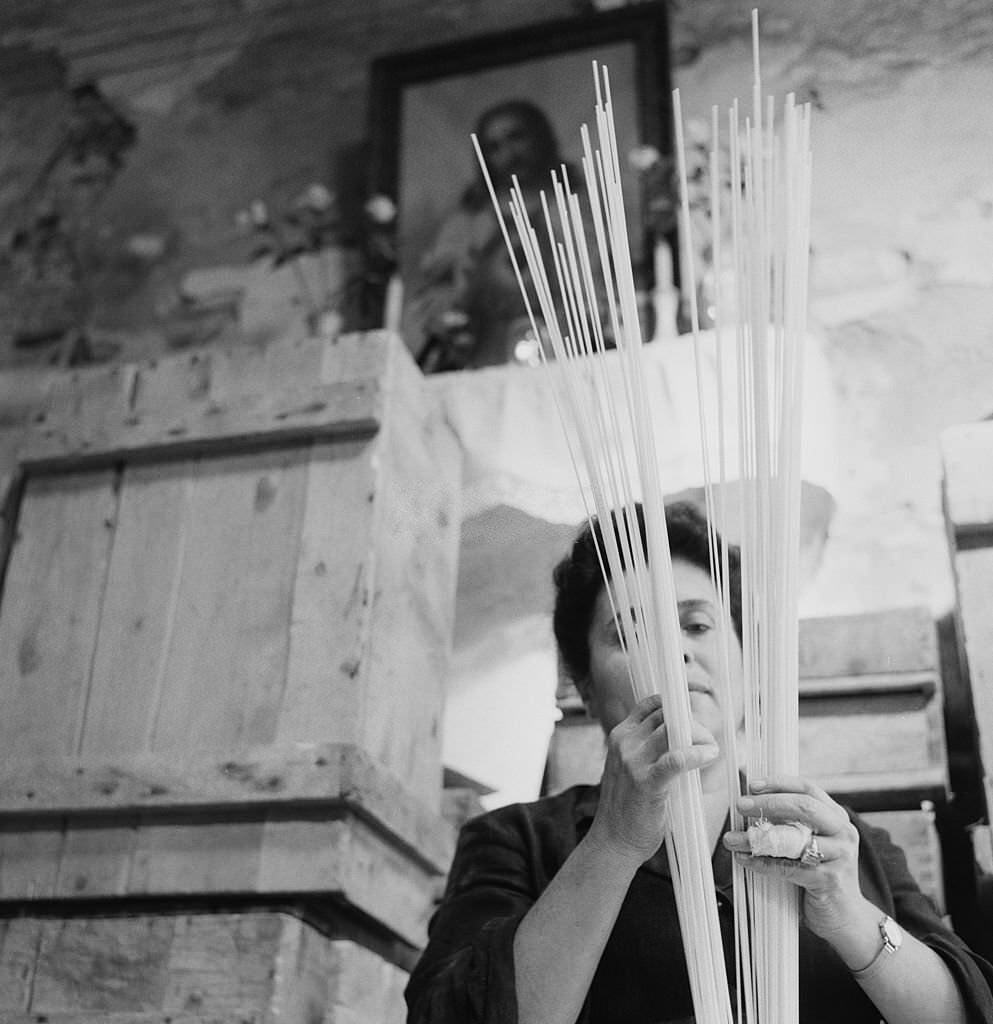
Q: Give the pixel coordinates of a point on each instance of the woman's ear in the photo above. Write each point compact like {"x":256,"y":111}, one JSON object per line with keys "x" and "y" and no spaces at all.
{"x":584,"y":688}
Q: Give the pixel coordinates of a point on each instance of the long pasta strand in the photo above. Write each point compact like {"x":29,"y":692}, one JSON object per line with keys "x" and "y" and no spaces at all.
{"x":770,"y":231}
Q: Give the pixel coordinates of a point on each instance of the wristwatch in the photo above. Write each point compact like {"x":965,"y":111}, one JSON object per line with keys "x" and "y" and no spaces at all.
{"x":892,"y":935}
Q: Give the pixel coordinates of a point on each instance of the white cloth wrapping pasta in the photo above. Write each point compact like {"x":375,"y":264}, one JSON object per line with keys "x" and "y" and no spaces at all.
{"x":786,"y":841}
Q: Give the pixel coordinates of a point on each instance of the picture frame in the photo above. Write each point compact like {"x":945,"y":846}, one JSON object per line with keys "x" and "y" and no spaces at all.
{"x":425,"y":104}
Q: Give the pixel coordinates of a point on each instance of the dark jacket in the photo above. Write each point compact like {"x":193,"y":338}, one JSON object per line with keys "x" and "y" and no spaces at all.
{"x":506,"y":858}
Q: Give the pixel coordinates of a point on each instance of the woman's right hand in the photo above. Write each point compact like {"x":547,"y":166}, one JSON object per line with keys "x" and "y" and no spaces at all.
{"x":637,"y":775}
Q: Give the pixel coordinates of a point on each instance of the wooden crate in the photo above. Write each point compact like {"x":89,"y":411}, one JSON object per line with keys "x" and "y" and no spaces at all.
{"x":872,"y":729}
{"x":225,"y":628}
{"x":255,"y":967}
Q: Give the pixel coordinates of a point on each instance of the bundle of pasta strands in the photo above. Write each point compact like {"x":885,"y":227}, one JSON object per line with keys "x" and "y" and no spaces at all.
{"x":607,"y":416}
{"x":770,"y":228}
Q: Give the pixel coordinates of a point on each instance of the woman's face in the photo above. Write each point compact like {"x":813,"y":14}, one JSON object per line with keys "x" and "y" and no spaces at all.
{"x":510,"y":148}
{"x":607,"y":692}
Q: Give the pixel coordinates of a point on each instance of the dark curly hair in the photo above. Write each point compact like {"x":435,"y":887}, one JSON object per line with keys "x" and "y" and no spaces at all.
{"x":578,"y":579}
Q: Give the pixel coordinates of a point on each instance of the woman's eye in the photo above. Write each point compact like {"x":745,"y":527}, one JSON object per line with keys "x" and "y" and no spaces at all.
{"x":698,"y":627}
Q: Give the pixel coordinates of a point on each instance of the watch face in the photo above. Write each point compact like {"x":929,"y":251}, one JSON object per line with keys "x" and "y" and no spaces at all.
{"x":892,"y":933}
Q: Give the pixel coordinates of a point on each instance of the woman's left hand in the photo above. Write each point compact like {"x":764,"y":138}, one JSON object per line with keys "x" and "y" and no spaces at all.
{"x":832,"y":895}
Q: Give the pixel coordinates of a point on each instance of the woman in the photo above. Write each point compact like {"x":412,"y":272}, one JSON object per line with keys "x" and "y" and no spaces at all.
{"x":563,"y":910}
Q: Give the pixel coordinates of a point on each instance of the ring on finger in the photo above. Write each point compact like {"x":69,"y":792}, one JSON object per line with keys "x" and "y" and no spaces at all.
{"x":812,"y":856}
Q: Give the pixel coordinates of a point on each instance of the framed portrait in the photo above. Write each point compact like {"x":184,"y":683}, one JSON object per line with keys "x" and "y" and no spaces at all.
{"x":531,"y":88}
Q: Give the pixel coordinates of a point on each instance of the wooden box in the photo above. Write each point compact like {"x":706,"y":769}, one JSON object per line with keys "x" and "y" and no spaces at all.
{"x":225,"y":628}
{"x":256,"y":967}
{"x":872,"y":729}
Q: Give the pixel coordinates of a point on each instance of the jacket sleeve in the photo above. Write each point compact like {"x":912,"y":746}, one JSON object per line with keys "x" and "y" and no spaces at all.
{"x":466,"y":973}
{"x":887,"y":881}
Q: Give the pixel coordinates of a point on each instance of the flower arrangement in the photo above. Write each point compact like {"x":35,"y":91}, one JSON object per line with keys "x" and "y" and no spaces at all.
{"x":307,"y":230}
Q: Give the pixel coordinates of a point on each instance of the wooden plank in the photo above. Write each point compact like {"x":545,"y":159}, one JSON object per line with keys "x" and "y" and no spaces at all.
{"x":298,"y":972}
{"x":51,"y":608}
{"x":95,"y":859}
{"x":225,"y":665}
{"x":70,"y":976}
{"x":202,"y":967}
{"x":209,"y":401}
{"x":19,"y":942}
{"x":230,"y":628}
{"x":967,"y":453}
{"x":974,"y":584}
{"x":869,"y":686}
{"x":390,"y":589}
{"x":383,"y":801}
{"x":289,"y":415}
{"x":364,"y":986}
{"x":416,"y":543}
{"x":868,"y":791}
{"x":334,"y":580}
{"x":347,"y":982}
{"x":223,"y":963}
{"x":877,"y":643}
{"x":137,"y":623}
{"x":147,"y":564}
{"x":348,"y":857}
{"x":248,"y":369}
{"x":866,"y":742}
{"x":252,"y":781}
{"x":330,"y":856}
{"x":30,"y":856}
{"x":88,"y":399}
{"x":176,"y":781}
{"x":334,"y":583}
{"x":185,"y":855}
{"x":129,"y":664}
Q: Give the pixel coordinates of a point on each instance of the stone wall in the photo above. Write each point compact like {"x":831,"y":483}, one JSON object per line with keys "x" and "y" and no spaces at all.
{"x":230,"y":100}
